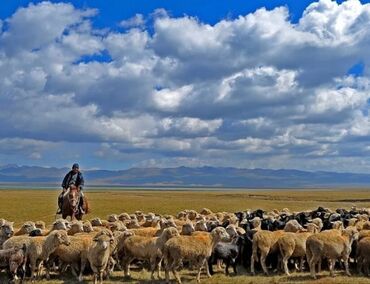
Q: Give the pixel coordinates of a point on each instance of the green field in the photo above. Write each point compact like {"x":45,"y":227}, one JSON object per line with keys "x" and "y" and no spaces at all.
{"x":24,"y":205}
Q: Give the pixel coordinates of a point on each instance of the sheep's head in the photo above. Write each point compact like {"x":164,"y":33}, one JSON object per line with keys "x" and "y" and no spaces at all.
{"x":187,"y":229}
{"x":105,"y":232}
{"x":77,"y":227}
{"x":61,"y":237}
{"x":124,"y":216}
{"x":112,"y":218}
{"x":103,"y":241}
{"x":7,"y":229}
{"x":40,"y":225}
{"x":28,"y":227}
{"x":231,"y":230}
{"x":201,"y":226}
{"x":351,"y":232}
{"x":312,"y":228}
{"x":169,"y":233}
{"x":60,"y":225}
{"x":220,"y":234}
{"x":96,"y":222}
{"x":337,"y":225}
{"x":87,"y":227}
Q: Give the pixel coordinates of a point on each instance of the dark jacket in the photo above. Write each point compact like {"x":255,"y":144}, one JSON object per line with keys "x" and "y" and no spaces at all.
{"x":79,"y":182}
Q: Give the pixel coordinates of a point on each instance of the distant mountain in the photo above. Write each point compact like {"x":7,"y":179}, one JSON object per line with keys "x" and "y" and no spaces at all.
{"x":189,"y":177}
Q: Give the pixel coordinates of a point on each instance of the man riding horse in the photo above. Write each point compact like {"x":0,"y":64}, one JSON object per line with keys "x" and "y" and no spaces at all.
{"x":73,"y":178}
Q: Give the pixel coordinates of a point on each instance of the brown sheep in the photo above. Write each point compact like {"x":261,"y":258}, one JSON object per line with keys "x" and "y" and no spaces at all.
{"x":26,"y":228}
{"x":6,"y":231}
{"x":40,"y":248}
{"x":146,"y":248}
{"x":265,"y":242}
{"x":294,"y":245}
{"x":363,"y":255}
{"x":196,"y":249}
{"x":332,"y":246}
{"x":98,"y":256}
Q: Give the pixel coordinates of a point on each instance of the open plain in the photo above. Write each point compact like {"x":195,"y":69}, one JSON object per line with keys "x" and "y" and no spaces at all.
{"x":23,"y":205}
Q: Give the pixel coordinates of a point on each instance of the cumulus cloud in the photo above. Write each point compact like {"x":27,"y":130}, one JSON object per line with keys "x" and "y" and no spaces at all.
{"x":255,"y":91}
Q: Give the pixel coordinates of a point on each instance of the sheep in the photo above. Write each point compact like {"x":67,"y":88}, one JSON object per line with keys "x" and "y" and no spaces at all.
{"x":363,"y":255}
{"x":133,"y":224}
{"x":76,"y":227}
{"x":196,"y":249}
{"x":12,"y":259}
{"x":124,"y":217}
{"x":227,"y":252}
{"x":293,"y":226}
{"x":6,"y":231}
{"x":187,"y":229}
{"x":331,"y":246}
{"x":112,"y":218}
{"x":144,"y":248}
{"x":294,"y":245}
{"x":75,"y":253}
{"x":232,"y":230}
{"x":98,"y":256}
{"x":201,"y":226}
{"x":117,"y":226}
{"x":265,"y":242}
{"x":318,"y":222}
{"x":26,"y":228}
{"x":87,"y":227}
{"x":40,"y":248}
{"x":205,"y":212}
{"x":40,"y":225}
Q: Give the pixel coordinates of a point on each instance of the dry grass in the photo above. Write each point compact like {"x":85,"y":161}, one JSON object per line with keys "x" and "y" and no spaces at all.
{"x":23,"y":205}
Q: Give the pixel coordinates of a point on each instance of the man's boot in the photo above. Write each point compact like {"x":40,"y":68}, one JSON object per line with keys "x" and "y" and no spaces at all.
{"x":82,"y":211}
{"x":60,"y":203}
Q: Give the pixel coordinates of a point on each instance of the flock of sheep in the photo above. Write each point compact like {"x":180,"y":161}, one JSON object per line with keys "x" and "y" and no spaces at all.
{"x":194,"y":240}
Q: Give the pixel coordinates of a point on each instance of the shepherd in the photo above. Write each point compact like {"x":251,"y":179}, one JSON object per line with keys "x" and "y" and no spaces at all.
{"x":72,"y":191}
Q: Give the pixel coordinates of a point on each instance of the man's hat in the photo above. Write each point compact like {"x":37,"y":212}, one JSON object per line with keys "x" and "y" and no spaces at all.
{"x":75,"y":166}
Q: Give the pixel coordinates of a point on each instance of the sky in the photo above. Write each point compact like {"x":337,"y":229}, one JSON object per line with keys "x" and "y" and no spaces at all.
{"x":248,"y":84}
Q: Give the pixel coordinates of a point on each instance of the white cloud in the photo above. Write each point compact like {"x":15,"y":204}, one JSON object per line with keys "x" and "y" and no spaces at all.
{"x":258,"y":89}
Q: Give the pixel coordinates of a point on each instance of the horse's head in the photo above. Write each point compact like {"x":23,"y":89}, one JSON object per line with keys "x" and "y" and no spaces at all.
{"x":73,"y":196}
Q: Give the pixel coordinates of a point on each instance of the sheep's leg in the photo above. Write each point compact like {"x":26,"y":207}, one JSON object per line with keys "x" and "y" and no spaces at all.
{"x":252,"y":265}
{"x":159,"y":265}
{"x":301,"y":264}
{"x":365,"y":263}
{"x":227,"y":267}
{"x":176,"y":264}
{"x":285,"y":264}
{"x":331,"y":266}
{"x":359,"y":265}
{"x":199,"y":268}
{"x":219,"y":264}
{"x":345,"y":259}
{"x":312,"y":264}
{"x":101,"y":276}
{"x":126,"y":265}
{"x":319,"y":265}
{"x":207,"y":268}
{"x":153,"y":266}
{"x":82,"y":268}
{"x":263,"y":261}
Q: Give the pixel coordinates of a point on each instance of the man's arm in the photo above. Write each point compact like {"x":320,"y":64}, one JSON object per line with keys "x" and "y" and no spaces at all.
{"x":82,"y":181}
{"x":65,"y":180}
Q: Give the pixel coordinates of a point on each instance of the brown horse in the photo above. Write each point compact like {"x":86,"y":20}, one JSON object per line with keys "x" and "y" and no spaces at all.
{"x":71,"y":201}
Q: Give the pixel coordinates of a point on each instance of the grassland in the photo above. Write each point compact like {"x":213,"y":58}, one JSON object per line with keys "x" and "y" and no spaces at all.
{"x":23,"y":205}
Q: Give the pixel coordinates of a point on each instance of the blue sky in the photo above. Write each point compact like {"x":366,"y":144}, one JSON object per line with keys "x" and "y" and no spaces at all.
{"x":119,"y":84}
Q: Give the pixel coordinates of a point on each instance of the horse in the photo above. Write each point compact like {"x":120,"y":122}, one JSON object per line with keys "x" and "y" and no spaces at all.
{"x":71,"y":201}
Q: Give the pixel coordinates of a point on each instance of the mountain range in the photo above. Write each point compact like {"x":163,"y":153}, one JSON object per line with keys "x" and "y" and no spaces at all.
{"x":188,"y":177}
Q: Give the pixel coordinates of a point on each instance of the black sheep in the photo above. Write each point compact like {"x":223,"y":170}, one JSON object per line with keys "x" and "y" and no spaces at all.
{"x":228,"y":252}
